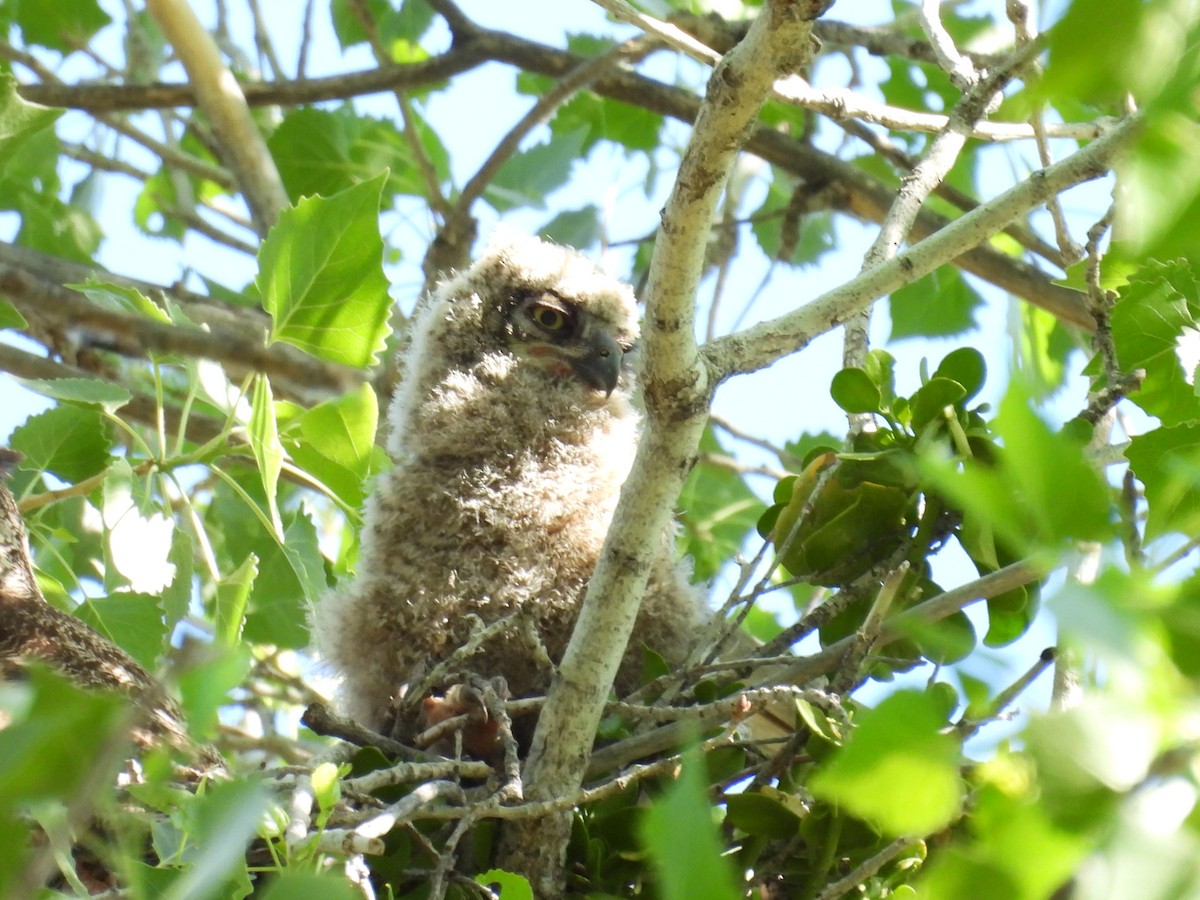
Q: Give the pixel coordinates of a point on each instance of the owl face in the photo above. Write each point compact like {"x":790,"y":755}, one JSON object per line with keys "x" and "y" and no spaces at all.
{"x":555,"y":334}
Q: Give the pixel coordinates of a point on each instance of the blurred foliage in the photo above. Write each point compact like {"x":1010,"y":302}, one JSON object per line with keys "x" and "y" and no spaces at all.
{"x":190,"y":507}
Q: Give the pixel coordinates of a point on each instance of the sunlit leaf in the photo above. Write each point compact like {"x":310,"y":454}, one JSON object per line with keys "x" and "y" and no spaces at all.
{"x":679,"y":834}
{"x":898,"y":769}
{"x":321,"y":278}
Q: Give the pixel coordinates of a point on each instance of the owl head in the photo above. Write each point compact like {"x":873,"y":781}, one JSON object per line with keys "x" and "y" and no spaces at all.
{"x":531,"y":330}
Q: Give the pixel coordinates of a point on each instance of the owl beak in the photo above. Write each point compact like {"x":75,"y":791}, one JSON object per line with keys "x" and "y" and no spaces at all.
{"x":600,"y":366}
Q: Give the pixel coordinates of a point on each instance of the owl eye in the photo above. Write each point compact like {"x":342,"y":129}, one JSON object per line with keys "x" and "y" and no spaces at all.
{"x":549,"y":318}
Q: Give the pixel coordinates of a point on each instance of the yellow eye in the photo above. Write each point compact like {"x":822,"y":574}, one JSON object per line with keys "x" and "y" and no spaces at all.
{"x":549,"y":318}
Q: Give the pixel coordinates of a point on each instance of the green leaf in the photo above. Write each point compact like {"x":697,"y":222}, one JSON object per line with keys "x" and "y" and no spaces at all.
{"x":10,"y":318}
{"x":932,"y":399}
{"x":132,"y":621}
{"x":966,"y":366}
{"x":42,"y":754}
{"x":574,"y":227}
{"x":787,"y":234}
{"x":1090,"y":54}
{"x":1021,"y":496}
{"x":855,"y":392}
{"x":719,"y":510}
{"x":1154,"y":328}
{"x":290,"y":578}
{"x":756,"y":813}
{"x":1167,"y":462}
{"x":60,"y":26}
{"x":176,"y":598}
{"x":67,"y":441}
{"x":511,"y":886}
{"x":291,"y":884}
{"x":321,"y":276}
{"x":326,"y":785}
{"x":942,"y":304}
{"x":679,"y":834}
{"x":394,"y":23}
{"x":630,"y":127}
{"x":897,"y":770}
{"x":122,"y":298}
{"x":205,"y":685}
{"x":222,"y":821}
{"x":323,"y":152}
{"x":1015,"y":852}
{"x":233,"y":594}
{"x":87,"y":392}
{"x":20,"y":121}
{"x":529,"y":176}
{"x":1042,"y":350}
{"x":880,"y":367}
{"x":264,"y":441}
{"x":342,"y":429}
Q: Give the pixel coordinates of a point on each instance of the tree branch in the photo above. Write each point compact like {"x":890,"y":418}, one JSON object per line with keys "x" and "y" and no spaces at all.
{"x":31,"y":630}
{"x":677,"y":388}
{"x":770,"y":341}
{"x":134,"y":335}
{"x":222,"y":100}
{"x":862,"y":195}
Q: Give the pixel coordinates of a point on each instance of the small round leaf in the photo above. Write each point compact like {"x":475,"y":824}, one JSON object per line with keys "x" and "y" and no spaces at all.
{"x":966,"y":366}
{"x":855,"y":392}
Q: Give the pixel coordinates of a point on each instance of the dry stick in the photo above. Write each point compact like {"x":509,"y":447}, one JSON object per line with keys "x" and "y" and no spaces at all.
{"x":861,"y":195}
{"x":967,"y":727}
{"x":932,"y":169}
{"x":1018,"y":231}
{"x":321,"y":720}
{"x":453,"y":243}
{"x":1022,"y":19}
{"x":805,"y":669}
{"x":222,"y":100}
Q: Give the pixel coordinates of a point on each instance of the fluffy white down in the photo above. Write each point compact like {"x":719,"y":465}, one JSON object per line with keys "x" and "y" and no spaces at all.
{"x":505,"y":481}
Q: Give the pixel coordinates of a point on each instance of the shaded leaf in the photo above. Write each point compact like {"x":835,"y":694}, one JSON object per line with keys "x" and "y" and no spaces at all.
{"x":941,"y":304}
{"x":528,"y":176}
{"x":855,"y":392}
{"x":233,"y":594}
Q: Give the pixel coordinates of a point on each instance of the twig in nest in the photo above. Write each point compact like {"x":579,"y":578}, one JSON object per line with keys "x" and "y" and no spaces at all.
{"x":321,"y":720}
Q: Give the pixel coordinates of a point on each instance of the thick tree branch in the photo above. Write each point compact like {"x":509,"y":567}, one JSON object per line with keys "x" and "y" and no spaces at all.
{"x":770,"y":341}
{"x":677,"y":389}
{"x":221,"y":98}
{"x":31,"y":630}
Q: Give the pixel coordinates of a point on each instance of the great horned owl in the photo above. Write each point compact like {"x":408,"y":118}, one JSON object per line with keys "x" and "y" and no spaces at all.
{"x":512,"y":431}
